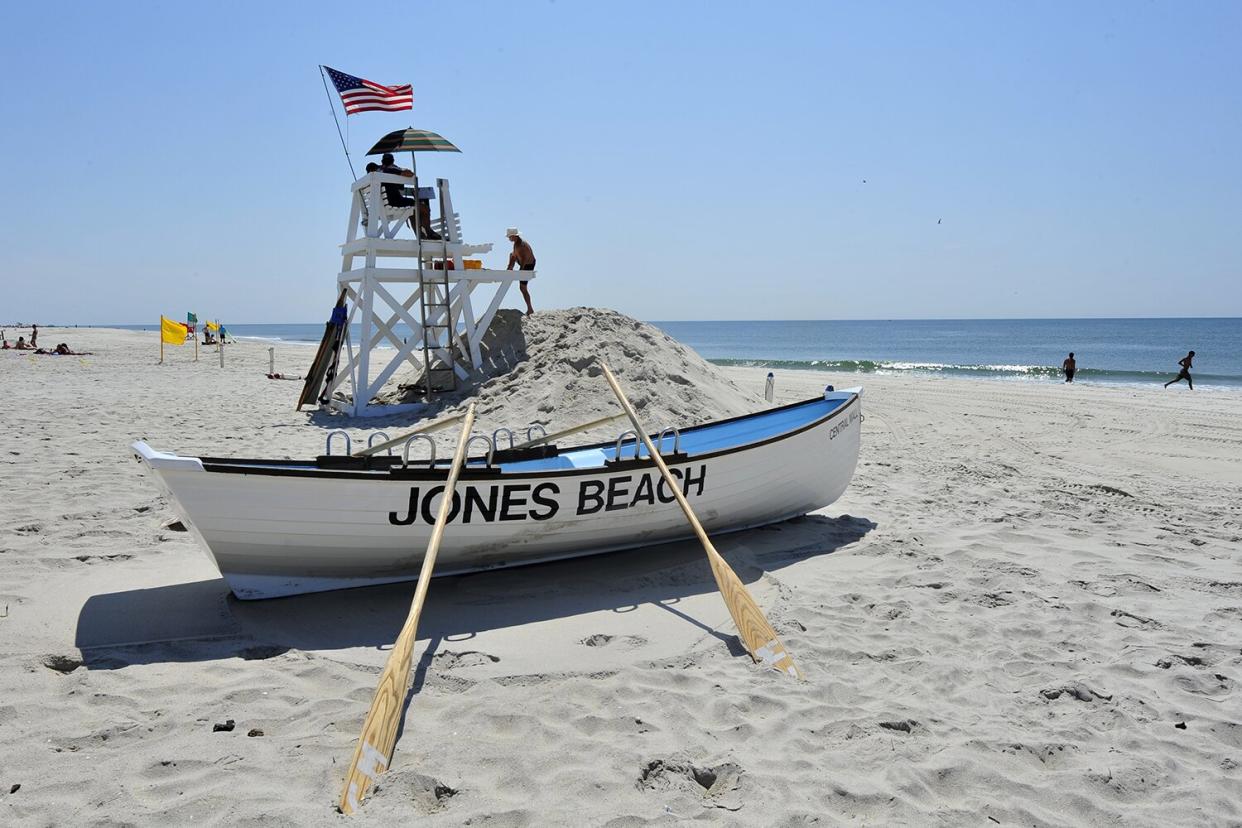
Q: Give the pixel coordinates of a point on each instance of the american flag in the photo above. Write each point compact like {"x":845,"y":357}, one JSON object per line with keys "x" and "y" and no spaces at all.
{"x":359,"y":95}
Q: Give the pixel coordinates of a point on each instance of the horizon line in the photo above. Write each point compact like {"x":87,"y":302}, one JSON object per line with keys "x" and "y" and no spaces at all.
{"x":656,"y":321}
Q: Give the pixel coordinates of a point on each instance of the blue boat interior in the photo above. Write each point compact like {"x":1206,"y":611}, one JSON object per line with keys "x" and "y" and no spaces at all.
{"x":702,"y":439}
{"x":695,"y":440}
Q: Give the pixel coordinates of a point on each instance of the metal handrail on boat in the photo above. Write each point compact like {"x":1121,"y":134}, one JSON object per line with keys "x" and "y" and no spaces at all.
{"x":496,"y":436}
{"x":348,"y":444}
{"x":621,"y":439}
{"x":405,"y":452}
{"x":530,"y":436}
{"x":491,"y":446}
{"x":371,"y":440}
{"x":676,"y":439}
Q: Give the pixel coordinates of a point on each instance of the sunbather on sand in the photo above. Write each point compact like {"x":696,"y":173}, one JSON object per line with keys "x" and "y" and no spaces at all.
{"x":62,"y":349}
{"x":22,"y":345}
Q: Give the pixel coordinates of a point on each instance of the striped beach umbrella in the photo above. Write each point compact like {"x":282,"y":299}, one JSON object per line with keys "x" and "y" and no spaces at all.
{"x":412,"y":140}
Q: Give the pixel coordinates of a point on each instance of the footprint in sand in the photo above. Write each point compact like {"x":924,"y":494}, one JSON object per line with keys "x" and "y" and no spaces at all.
{"x":449,"y":660}
{"x":603,"y":640}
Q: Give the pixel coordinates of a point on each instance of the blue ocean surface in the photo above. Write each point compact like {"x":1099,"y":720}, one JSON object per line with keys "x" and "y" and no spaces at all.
{"x":1138,"y":351}
{"x":1108,"y":350}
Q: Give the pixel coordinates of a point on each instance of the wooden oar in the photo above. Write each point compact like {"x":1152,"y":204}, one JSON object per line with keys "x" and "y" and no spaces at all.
{"x":556,"y":435}
{"x":423,"y":429}
{"x":379,"y":731}
{"x":753,"y":628}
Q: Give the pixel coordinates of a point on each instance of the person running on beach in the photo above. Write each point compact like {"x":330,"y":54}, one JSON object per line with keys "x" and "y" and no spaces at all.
{"x":397,"y":198}
{"x":1184,"y":374}
{"x":1069,"y":367}
{"x":524,"y":257}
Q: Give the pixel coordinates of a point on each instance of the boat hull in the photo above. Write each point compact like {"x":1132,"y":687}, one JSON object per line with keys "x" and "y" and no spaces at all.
{"x":272,"y":534}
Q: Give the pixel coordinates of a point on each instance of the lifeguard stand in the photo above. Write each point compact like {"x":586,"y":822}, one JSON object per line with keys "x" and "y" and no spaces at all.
{"x":386,"y":271}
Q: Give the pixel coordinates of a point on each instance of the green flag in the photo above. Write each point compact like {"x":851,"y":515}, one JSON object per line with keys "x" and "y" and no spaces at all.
{"x":191,"y":318}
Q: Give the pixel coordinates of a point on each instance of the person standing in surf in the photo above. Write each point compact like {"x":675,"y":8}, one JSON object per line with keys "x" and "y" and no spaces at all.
{"x":1069,"y":367}
{"x":1184,"y":374}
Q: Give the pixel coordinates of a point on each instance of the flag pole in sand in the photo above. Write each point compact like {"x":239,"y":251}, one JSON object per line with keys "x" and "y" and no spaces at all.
{"x":379,"y":732}
{"x":161,"y":339}
{"x":753,"y":628}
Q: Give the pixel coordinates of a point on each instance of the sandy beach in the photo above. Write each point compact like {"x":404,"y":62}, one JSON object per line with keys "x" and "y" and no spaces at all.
{"x":1027,"y":609}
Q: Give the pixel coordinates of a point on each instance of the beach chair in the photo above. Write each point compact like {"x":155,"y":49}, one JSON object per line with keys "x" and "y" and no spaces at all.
{"x":391,"y":218}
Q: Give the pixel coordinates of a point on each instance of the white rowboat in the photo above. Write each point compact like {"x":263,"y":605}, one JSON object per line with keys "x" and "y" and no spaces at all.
{"x":281,"y":527}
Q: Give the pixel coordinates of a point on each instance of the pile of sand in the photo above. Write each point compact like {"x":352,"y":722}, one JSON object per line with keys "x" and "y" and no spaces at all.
{"x":545,"y":369}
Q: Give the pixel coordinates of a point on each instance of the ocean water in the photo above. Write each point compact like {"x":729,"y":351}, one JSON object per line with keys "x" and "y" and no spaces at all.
{"x":1106,"y":350}
{"x":1136,"y":351}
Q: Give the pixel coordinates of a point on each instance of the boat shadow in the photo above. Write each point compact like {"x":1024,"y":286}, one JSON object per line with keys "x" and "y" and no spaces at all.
{"x":202,"y":621}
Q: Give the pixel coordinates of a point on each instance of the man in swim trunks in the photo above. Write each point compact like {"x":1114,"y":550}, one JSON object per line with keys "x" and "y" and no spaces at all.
{"x":1069,"y":367}
{"x":1184,"y":374}
{"x":524,"y":257}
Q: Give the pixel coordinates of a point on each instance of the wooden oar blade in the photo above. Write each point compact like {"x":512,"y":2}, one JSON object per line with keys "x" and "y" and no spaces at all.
{"x":753,"y":628}
{"x":373,"y":753}
{"x":756,"y":634}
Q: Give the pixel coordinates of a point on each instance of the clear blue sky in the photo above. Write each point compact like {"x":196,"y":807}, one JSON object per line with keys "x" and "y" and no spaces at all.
{"x":669,"y":160}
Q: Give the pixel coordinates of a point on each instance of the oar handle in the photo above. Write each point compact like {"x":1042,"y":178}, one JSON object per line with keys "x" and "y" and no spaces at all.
{"x":673,"y":483}
{"x":437,"y":532}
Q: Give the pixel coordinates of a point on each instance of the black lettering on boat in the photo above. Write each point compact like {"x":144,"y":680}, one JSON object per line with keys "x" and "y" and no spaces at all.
{"x":510,"y":501}
{"x":474,"y":500}
{"x":645,"y":493}
{"x":589,"y":499}
{"x":540,"y":498}
{"x":663,"y":491}
{"x":411,"y":513}
{"x":618,"y":488}
{"x":690,"y":480}
{"x":841,"y":426}
{"x":429,"y":516}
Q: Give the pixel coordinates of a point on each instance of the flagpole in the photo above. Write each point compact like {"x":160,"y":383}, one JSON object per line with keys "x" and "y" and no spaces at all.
{"x":335,"y":120}
{"x":161,"y":340}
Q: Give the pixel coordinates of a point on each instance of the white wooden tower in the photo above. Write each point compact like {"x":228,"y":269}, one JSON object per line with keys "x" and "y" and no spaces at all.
{"x":391,"y":277}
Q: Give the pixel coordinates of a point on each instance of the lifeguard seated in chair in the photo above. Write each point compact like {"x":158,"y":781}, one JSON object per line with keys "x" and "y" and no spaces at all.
{"x":394,"y":197}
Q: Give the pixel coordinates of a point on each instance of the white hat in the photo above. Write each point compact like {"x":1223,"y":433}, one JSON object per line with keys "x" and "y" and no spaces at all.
{"x":512,"y":231}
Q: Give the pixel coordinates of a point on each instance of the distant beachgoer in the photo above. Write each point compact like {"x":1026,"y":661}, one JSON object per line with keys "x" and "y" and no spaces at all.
{"x":208,"y":339}
{"x":34,"y":336}
{"x":396,"y":197}
{"x":6,"y":346}
{"x":524,"y":257}
{"x":22,"y":345}
{"x":1184,"y":374}
{"x":1069,"y":367}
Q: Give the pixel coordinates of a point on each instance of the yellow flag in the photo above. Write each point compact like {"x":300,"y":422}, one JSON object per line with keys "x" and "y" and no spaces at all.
{"x":173,"y":333}
{"x":212,"y":326}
